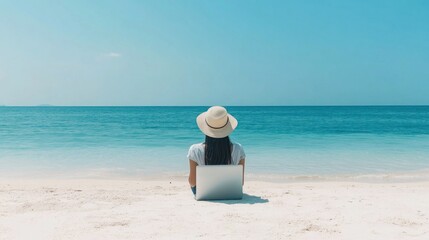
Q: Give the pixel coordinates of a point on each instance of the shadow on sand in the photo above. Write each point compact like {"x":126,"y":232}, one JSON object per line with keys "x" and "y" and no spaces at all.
{"x":247,"y":199}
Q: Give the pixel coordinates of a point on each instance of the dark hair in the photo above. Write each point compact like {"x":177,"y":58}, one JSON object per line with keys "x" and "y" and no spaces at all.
{"x":217,"y":151}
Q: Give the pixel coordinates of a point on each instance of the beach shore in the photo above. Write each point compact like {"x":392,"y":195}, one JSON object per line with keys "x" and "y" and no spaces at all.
{"x":155,"y":209}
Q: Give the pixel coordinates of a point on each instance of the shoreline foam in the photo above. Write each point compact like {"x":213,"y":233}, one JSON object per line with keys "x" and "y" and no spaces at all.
{"x":124,"y":174}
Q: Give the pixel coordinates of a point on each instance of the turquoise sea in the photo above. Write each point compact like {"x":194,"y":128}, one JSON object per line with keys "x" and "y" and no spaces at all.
{"x":281,"y":141}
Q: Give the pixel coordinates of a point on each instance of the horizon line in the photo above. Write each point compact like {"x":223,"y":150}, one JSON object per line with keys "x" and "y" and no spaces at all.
{"x":351,"y":105}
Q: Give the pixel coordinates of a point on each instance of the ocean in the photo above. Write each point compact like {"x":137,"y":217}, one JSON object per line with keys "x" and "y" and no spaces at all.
{"x":282,"y":141}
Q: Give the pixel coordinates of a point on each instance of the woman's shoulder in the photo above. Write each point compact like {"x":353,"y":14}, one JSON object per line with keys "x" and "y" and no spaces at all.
{"x":236,"y":144}
{"x":196,"y":147}
{"x":195,"y":152}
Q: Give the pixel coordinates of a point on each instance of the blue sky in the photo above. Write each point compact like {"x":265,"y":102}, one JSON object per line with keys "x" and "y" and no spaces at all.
{"x":214,"y":52}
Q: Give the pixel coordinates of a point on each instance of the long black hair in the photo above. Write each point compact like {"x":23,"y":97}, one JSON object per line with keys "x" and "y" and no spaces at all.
{"x":217,"y":151}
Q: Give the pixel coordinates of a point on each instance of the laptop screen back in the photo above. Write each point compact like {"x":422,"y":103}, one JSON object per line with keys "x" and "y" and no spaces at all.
{"x":219,"y":182}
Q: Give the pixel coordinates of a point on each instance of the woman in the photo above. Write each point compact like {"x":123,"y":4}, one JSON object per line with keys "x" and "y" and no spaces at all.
{"x":217,"y":149}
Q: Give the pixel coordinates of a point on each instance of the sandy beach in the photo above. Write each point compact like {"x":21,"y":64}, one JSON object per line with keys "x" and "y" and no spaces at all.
{"x":154,"y":209}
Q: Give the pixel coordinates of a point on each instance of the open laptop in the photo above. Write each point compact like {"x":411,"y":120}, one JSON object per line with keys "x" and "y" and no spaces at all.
{"x":219,"y":182}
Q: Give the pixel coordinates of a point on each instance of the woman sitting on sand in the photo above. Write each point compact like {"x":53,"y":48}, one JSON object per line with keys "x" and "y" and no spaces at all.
{"x":217,"y":149}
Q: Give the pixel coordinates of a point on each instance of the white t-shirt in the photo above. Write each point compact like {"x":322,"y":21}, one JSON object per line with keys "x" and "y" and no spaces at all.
{"x":196,"y":153}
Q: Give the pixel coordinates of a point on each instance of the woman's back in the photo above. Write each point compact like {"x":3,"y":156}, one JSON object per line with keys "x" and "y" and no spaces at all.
{"x":197,"y":153}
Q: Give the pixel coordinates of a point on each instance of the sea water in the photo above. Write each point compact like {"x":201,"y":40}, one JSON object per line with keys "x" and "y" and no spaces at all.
{"x":282,"y":141}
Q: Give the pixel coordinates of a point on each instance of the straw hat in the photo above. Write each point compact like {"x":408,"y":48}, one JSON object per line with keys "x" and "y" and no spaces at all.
{"x":216,"y":122}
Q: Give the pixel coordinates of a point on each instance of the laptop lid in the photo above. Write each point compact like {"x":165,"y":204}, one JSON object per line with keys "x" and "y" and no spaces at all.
{"x":219,"y":182}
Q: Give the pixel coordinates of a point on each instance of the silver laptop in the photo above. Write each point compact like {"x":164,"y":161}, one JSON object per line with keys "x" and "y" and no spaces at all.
{"x":219,"y":182}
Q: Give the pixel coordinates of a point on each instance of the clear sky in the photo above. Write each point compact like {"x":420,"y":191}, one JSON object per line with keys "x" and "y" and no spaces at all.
{"x":302,"y":52}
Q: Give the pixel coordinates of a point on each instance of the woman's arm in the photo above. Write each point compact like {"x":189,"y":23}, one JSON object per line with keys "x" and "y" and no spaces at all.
{"x":192,"y":173}
{"x":241,"y":162}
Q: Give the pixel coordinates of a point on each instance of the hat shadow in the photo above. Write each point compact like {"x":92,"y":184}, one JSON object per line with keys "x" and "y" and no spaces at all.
{"x":247,"y":199}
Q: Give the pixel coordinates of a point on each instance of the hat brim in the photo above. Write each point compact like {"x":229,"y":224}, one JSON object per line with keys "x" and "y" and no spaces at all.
{"x":216,"y":133}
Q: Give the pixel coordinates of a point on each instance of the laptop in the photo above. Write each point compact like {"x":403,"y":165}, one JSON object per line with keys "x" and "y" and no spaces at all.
{"x":219,"y":182}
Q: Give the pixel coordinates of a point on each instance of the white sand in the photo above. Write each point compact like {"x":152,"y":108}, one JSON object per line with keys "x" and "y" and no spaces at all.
{"x":131,"y":209}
